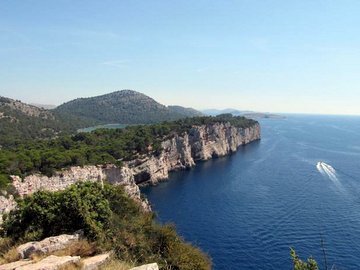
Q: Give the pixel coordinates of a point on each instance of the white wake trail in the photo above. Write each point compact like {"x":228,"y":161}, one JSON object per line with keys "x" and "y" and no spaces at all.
{"x":327,"y":170}
{"x":319,"y":168}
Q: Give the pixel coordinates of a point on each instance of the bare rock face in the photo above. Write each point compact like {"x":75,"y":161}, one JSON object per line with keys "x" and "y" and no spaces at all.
{"x":220,"y":139}
{"x":6,"y":205}
{"x":151,"y":266}
{"x":47,"y":245}
{"x":64,"y":178}
{"x":93,"y":263}
{"x":51,"y":263}
{"x":181,"y":152}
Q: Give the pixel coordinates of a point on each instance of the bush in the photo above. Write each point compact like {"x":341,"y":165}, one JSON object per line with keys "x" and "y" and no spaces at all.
{"x":108,"y":216}
{"x":81,"y":206}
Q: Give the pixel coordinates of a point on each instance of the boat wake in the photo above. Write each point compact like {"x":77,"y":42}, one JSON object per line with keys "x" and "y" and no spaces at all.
{"x":327,"y":170}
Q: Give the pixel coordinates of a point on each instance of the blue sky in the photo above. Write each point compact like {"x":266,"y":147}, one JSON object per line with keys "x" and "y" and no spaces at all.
{"x":278,"y":56}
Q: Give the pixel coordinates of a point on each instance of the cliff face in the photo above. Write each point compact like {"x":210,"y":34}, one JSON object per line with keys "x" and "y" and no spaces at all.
{"x":64,"y":178}
{"x":182,"y":151}
{"x":178,"y":153}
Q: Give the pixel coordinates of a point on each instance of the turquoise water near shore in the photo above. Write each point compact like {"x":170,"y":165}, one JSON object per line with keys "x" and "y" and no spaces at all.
{"x":247,"y":209}
{"x":108,"y":126}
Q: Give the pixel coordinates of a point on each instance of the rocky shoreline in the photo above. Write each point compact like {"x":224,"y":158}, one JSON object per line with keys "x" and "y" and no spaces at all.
{"x":179,"y":152}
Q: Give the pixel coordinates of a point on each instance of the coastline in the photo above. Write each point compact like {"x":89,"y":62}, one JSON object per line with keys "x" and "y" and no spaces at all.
{"x":180,"y":152}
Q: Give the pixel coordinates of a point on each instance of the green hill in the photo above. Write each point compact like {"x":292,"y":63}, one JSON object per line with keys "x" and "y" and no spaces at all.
{"x":20,"y":121}
{"x":124,"y":107}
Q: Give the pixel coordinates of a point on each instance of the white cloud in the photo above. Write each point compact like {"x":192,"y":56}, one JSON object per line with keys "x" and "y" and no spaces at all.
{"x":115,"y":63}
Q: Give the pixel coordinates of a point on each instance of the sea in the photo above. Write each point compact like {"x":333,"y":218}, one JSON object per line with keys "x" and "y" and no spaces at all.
{"x":299,"y":187}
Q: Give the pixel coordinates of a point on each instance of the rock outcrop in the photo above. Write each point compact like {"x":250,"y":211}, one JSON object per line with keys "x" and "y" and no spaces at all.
{"x":15,"y":265}
{"x":181,"y":151}
{"x":51,"y":263}
{"x":7,"y":203}
{"x":151,"y":266}
{"x":46,"y":248}
{"x":48,"y":245}
{"x":95,"y":262}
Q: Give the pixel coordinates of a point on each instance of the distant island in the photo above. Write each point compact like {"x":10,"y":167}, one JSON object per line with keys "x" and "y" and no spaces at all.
{"x":248,"y":114}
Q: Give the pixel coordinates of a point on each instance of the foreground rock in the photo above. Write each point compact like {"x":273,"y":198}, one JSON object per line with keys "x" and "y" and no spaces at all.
{"x":51,"y":263}
{"x":152,"y":266}
{"x":15,"y":265}
{"x":47,"y":245}
{"x":95,"y":262}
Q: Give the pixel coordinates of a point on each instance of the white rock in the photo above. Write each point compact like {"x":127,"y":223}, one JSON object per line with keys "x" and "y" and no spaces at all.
{"x":6,"y":205}
{"x":47,"y":245}
{"x":96,"y":261}
{"x":152,"y":266}
{"x":51,"y":263}
{"x":15,"y":265}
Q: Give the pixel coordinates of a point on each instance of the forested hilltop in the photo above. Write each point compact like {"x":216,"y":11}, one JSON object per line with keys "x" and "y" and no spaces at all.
{"x":124,"y":107}
{"x":20,"y":121}
{"x":101,"y":146}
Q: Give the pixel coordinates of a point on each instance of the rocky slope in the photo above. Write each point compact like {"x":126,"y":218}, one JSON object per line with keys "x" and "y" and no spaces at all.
{"x":45,"y":258}
{"x":182,"y":151}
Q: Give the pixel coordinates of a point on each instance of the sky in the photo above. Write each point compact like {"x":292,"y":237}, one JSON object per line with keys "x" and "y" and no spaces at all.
{"x":271,"y":56}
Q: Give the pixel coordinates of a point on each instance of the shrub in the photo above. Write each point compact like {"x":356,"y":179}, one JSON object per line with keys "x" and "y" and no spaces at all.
{"x":81,"y":206}
{"x":110,"y":218}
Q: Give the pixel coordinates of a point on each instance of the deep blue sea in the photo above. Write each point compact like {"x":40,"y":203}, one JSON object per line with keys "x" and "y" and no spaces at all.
{"x":247,"y":209}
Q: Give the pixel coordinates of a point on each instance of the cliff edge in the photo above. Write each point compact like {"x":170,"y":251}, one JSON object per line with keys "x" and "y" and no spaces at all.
{"x":180,"y":151}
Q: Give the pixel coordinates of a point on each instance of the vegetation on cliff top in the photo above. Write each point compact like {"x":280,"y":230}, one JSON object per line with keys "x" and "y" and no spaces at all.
{"x":101,"y":146}
{"x":109,"y":218}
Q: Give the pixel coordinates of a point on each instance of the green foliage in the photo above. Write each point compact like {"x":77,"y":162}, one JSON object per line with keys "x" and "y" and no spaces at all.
{"x":4,"y":181}
{"x":298,"y":264}
{"x":101,"y":146}
{"x":108,"y":216}
{"x":82,"y":206}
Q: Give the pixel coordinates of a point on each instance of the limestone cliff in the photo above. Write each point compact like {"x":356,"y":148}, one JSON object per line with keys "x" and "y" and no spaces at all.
{"x":182,"y":151}
{"x":179,"y":152}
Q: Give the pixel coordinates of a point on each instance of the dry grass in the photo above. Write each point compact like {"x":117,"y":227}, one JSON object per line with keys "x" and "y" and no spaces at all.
{"x":5,"y":245}
{"x":71,"y":267}
{"x":11,"y":255}
{"x":80,"y":248}
{"x":116,"y":265}
{"x":36,"y":257}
